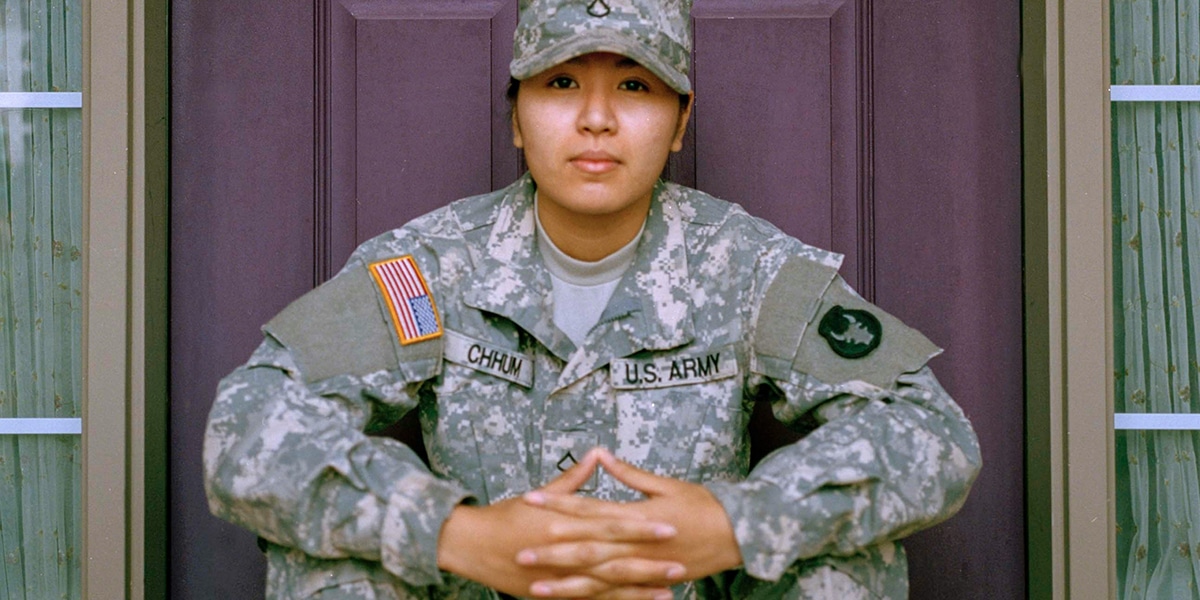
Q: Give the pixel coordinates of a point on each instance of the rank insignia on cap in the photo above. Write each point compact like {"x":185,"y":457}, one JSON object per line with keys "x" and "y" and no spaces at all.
{"x":851,"y":333}
{"x":598,"y":8}
{"x":408,"y":299}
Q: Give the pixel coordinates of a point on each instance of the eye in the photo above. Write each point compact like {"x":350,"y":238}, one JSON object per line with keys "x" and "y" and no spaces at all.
{"x":633,"y":85}
{"x":562,"y":82}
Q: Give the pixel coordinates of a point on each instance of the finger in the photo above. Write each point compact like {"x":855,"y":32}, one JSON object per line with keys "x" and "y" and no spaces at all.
{"x":612,"y":563}
{"x":575,"y":555}
{"x":574,"y":586}
{"x":640,"y":571}
{"x":588,"y":554}
{"x":579,"y":586}
{"x":635,"y":594}
{"x":573,"y":478}
{"x":580,"y":506}
{"x":635,"y":530}
{"x":643,"y":481}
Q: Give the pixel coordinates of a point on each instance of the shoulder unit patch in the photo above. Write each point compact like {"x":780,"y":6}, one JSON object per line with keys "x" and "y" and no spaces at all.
{"x":408,"y":299}
{"x":851,"y":333}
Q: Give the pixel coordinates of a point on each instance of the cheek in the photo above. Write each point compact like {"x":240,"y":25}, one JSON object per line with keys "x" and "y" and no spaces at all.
{"x":540,"y":134}
{"x":658,"y":128}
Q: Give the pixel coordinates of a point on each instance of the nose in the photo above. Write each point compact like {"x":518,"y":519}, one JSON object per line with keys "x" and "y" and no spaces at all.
{"x":596,"y":115}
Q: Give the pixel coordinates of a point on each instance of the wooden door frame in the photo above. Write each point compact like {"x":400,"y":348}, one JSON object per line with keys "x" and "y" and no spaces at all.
{"x":1069,"y":512}
{"x":125,"y":163}
{"x":1068,"y":323}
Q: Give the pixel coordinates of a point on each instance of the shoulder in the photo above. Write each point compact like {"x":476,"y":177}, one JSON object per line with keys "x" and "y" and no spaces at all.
{"x":380,"y":312}
{"x":806,"y":318}
{"x":722,"y":230}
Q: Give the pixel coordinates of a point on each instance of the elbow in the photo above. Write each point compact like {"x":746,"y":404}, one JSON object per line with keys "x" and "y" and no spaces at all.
{"x":230,"y":455}
{"x":959,"y":470}
{"x":221,"y":474}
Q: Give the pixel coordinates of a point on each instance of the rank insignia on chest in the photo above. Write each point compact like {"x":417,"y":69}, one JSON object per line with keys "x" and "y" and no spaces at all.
{"x":598,"y":8}
{"x":851,"y":333}
{"x":406,"y":294}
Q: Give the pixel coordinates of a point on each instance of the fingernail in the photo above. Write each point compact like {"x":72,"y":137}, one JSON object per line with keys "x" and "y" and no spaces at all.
{"x":536,"y":498}
{"x":526,"y":557}
{"x":664,"y":596}
{"x":675,"y":573}
{"x":539,"y":589}
{"x":664,"y":531}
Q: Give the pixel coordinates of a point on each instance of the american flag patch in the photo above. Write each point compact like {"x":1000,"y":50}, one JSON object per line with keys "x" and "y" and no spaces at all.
{"x":408,"y":299}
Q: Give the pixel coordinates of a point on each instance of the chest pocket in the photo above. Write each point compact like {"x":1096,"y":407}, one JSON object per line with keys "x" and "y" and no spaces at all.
{"x":477,"y":424}
{"x":682,"y":414}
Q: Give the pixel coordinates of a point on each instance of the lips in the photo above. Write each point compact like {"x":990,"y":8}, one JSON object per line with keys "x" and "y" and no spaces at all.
{"x":595,"y":162}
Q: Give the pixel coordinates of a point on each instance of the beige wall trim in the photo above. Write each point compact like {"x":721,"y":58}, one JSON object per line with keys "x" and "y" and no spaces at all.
{"x":1087,"y":386}
{"x":1068,"y":300}
{"x":114,"y":310}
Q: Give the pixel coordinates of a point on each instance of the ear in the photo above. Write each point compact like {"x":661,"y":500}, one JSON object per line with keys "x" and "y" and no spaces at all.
{"x":681,"y":127}
{"x":518,"y":141}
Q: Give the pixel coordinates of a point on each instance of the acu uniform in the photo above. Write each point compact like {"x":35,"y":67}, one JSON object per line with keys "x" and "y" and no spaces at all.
{"x":451,"y":316}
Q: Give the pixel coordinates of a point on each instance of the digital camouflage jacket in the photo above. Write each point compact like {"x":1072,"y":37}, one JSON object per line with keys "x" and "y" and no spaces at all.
{"x":450,"y":315}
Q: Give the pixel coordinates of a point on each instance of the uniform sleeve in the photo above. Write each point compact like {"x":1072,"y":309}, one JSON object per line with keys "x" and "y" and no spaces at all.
{"x":890,"y":452}
{"x":285,"y":453}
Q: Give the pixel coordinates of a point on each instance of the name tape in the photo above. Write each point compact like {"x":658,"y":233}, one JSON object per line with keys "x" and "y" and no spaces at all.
{"x":506,"y":364}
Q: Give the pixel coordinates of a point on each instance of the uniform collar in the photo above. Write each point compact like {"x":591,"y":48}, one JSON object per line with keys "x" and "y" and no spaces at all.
{"x":650,"y":309}
{"x":510,"y":279}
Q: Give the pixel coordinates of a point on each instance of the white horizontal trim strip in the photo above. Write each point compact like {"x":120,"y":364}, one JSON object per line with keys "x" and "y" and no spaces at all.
{"x":41,"y":426}
{"x":1154,"y":93}
{"x":1148,"y":421}
{"x":41,"y":99}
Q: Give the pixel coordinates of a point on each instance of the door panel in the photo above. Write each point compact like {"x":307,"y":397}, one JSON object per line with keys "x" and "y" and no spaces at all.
{"x":795,"y":150}
{"x":242,"y":207}
{"x":869,"y":128}
{"x":416,"y":112}
{"x":947,"y":219}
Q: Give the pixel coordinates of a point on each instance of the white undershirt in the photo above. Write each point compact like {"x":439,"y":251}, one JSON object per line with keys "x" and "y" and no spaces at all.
{"x":582,"y":288}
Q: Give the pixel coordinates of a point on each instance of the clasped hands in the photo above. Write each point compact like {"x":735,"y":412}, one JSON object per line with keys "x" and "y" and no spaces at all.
{"x":551,"y":543}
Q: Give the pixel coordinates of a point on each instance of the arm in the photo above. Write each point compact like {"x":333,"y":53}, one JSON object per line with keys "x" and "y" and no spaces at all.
{"x":876,"y":469}
{"x":889,"y":452}
{"x":295,"y":467}
{"x":285,"y":451}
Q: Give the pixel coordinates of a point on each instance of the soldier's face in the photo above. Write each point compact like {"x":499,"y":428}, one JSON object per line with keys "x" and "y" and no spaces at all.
{"x":597,"y":131}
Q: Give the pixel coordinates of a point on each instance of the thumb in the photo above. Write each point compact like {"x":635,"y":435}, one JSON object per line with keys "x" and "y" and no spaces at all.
{"x":643,"y":481}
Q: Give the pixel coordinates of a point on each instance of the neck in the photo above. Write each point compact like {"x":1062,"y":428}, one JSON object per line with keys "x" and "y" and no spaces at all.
{"x":592,"y":237}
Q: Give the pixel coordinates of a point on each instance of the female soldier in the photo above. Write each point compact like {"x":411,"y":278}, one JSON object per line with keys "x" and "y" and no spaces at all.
{"x":588,"y":306}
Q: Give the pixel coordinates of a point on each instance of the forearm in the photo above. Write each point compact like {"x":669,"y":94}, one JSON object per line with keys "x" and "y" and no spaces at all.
{"x":879,"y":471}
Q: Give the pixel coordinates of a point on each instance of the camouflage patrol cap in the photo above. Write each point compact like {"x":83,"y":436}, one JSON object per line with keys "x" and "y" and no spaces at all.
{"x":655,"y":33}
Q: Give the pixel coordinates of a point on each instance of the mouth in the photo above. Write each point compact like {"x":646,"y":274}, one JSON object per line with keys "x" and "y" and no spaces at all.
{"x":595,"y":162}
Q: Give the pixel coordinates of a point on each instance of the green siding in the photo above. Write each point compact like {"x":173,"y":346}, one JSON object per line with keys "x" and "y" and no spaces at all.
{"x":41,"y":300}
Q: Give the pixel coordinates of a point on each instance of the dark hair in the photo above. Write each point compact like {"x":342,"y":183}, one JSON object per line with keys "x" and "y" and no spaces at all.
{"x":514,"y":88}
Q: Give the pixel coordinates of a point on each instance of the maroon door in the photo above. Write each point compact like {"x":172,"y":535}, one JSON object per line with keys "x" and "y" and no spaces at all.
{"x":888,"y":131}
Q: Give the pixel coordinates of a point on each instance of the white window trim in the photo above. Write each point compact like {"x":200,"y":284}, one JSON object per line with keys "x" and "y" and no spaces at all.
{"x":41,"y":99}
{"x":1157,"y":421}
{"x":41,"y":426}
{"x":1154,"y":93}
